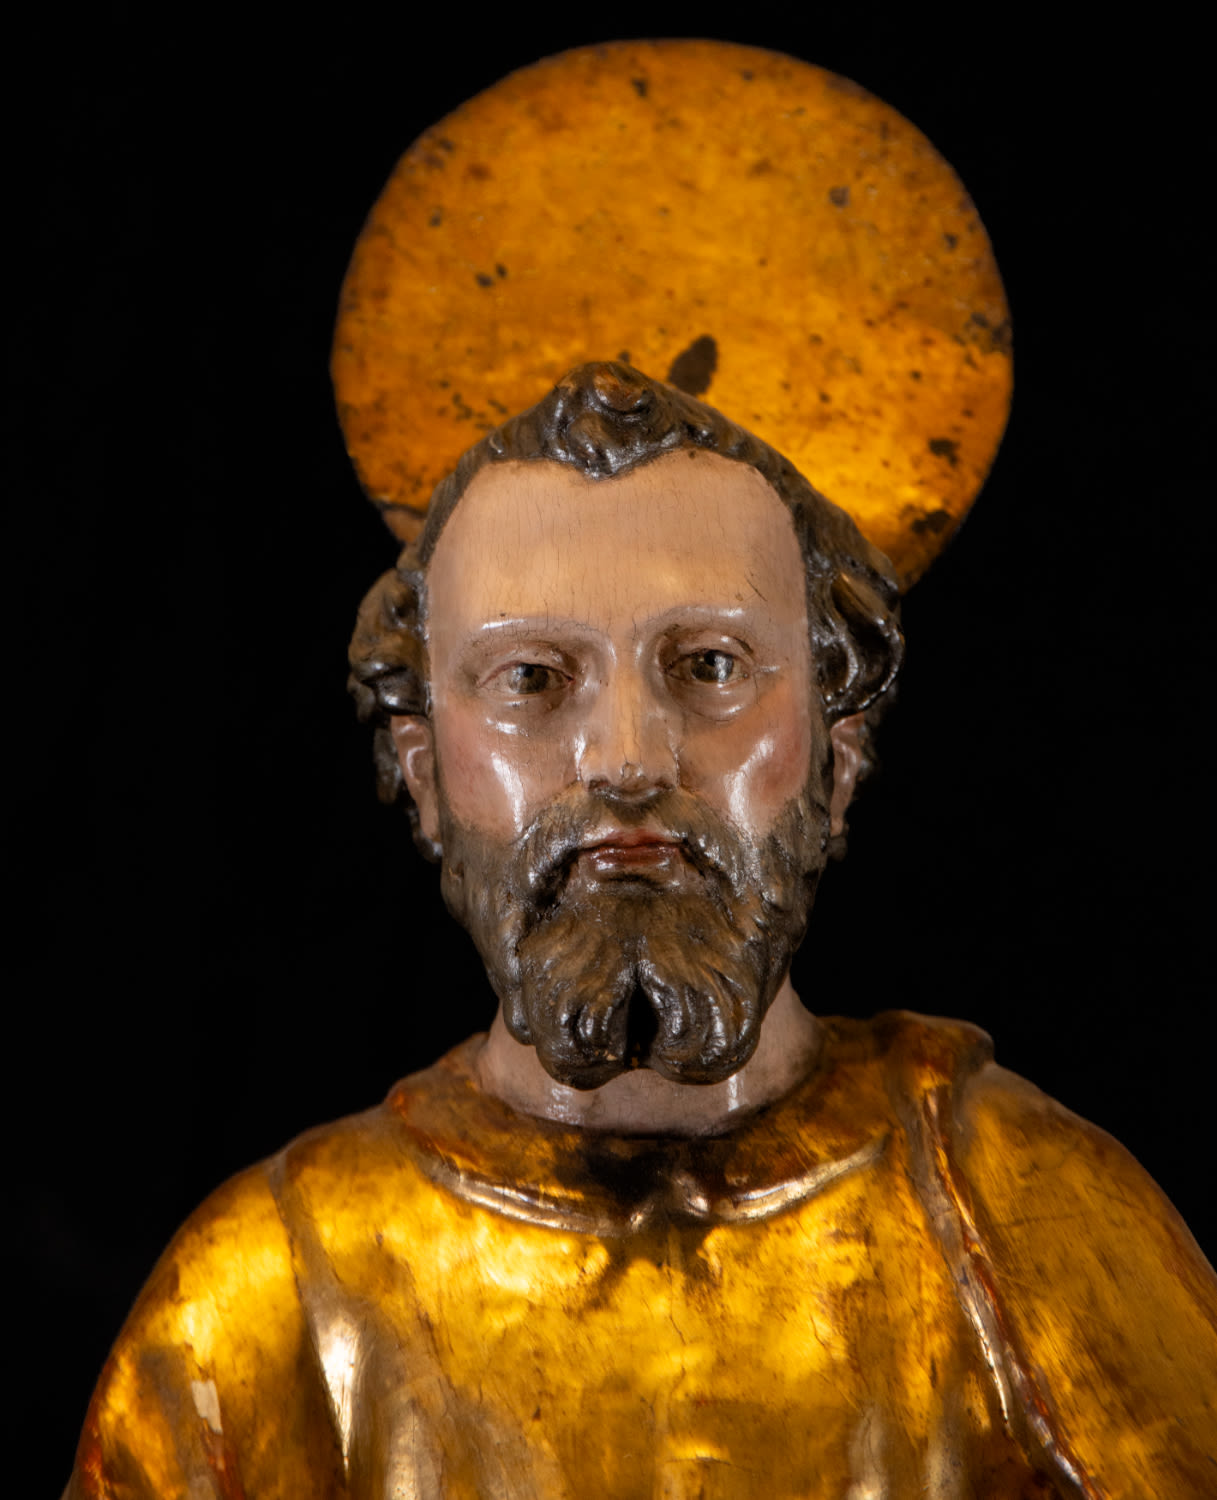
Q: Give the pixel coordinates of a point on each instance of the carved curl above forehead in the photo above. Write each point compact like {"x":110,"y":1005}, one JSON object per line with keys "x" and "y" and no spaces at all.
{"x":604,"y":420}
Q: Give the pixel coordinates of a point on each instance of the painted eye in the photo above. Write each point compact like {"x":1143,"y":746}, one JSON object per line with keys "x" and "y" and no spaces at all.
{"x":716,"y":667}
{"x":526,"y":679}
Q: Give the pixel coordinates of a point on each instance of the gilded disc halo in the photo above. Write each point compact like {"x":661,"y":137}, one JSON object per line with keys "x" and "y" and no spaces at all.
{"x":762,"y":233}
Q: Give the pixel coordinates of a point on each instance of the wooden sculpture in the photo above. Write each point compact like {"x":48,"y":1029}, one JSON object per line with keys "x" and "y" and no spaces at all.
{"x":662,"y":1232}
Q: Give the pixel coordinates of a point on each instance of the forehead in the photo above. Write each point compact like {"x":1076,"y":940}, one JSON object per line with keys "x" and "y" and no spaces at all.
{"x":691,"y":530}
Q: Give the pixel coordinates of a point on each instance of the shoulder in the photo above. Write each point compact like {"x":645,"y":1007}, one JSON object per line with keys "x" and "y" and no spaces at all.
{"x":216,"y":1373}
{"x":231,"y":1251}
{"x":1027,"y":1158}
{"x":918,"y":1054}
{"x":247,"y":1238}
{"x":1097,"y":1309}
{"x":215,"y":1342}
{"x":1099,"y":1282}
{"x":239,"y":1246}
{"x":1054,"y":1188}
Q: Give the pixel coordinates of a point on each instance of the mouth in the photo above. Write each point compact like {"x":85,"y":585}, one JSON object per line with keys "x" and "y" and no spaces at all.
{"x":628,"y":851}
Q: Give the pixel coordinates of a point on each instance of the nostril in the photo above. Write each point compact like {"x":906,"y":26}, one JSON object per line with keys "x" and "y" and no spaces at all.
{"x":628,"y":798}
{"x":627,"y":745}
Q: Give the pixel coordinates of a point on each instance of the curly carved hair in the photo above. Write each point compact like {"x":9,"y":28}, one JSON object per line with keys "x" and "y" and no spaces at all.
{"x":606,"y":419}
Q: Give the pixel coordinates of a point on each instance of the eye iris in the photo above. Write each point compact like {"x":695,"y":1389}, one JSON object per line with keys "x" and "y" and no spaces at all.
{"x":528,"y":677}
{"x":712,"y":666}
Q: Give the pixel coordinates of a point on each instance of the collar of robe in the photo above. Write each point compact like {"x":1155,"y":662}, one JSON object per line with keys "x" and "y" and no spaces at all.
{"x":837,"y":1121}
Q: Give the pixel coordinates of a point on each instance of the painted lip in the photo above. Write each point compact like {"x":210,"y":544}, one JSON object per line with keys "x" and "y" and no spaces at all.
{"x":631,"y":846}
{"x":632,"y":838}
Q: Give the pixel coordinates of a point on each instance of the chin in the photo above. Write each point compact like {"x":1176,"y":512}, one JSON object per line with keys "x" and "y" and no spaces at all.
{"x":637,"y":978}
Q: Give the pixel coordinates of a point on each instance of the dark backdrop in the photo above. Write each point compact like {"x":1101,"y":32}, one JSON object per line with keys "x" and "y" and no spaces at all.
{"x":218,"y":938}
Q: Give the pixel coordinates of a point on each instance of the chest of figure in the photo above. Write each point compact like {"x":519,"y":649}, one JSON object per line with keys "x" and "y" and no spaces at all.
{"x":816,"y":1352}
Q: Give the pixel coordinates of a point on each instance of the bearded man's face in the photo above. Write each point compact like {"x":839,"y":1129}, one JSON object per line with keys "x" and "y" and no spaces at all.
{"x":625,"y":763}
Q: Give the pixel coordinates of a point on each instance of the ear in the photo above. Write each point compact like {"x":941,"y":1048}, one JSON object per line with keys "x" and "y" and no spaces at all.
{"x":415,"y":744}
{"x":846,"y":736}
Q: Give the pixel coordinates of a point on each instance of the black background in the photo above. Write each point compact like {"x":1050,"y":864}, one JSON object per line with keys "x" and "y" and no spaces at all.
{"x":219,"y":938}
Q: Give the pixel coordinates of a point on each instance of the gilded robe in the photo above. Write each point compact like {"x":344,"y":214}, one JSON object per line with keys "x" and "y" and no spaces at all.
{"x":915,"y":1275}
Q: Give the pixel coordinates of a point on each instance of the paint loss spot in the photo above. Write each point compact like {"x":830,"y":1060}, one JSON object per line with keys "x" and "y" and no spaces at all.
{"x":693,"y":368}
{"x":207,"y":1403}
{"x":933,"y":523}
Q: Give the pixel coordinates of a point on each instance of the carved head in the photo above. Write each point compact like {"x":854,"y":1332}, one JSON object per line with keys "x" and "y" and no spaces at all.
{"x":621,"y":680}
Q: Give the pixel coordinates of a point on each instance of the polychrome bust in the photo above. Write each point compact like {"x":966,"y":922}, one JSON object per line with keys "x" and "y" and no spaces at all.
{"x":661,"y":1230}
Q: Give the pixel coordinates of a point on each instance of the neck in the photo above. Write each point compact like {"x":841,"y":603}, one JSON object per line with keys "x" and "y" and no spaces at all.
{"x":641,"y":1102}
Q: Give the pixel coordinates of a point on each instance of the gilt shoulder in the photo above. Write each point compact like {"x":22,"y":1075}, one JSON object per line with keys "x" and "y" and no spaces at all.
{"x":1101,"y":1284}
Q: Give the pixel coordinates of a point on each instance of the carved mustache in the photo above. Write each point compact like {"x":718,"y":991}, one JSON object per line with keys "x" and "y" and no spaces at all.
{"x":547,"y":851}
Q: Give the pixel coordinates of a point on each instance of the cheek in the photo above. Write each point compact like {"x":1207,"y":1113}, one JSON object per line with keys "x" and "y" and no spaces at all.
{"x":752,"y":768}
{"x":492,"y":779}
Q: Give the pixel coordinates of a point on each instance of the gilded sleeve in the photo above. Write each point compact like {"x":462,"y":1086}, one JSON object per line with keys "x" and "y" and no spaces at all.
{"x":1105,"y":1297}
{"x":212,"y":1389}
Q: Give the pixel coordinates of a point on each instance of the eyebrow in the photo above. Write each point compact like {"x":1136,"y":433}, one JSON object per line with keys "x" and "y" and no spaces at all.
{"x":674,"y":614}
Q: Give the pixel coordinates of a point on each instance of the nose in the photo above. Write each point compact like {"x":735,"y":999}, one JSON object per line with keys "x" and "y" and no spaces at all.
{"x":628,"y":741}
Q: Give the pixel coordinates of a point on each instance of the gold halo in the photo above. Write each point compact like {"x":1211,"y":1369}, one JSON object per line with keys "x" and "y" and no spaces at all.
{"x":764,"y":234}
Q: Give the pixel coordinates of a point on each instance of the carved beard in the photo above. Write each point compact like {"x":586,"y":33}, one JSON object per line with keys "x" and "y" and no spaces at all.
{"x":624,"y":974}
